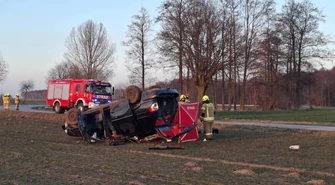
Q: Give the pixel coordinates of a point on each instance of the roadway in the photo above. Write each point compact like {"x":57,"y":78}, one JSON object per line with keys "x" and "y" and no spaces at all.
{"x":46,"y":109}
{"x":31,"y":108}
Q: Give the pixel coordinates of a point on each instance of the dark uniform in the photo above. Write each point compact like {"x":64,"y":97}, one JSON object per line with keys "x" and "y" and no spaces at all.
{"x":207,"y":117}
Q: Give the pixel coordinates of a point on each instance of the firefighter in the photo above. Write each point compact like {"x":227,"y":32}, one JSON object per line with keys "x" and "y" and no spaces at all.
{"x":207,"y":117}
{"x":182,"y":98}
{"x":6,"y":101}
{"x":186,"y":98}
{"x":17,"y":102}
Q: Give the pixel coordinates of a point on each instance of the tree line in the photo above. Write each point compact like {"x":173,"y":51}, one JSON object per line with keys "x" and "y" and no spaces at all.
{"x":238,"y":51}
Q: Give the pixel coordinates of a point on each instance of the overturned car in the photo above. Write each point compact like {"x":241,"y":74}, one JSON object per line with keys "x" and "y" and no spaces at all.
{"x":138,"y":115}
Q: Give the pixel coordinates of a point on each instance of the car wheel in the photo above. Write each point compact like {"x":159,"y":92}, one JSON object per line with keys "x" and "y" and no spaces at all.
{"x":133,"y":94}
{"x":58,"y":109}
{"x":72,"y":117}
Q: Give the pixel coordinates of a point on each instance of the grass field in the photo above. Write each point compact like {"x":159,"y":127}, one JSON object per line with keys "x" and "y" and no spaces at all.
{"x":35,"y":150}
{"x":320,"y":115}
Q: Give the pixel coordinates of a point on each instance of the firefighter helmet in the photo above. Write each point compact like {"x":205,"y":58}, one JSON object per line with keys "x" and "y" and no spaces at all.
{"x":182,"y":97}
{"x":205,"y":98}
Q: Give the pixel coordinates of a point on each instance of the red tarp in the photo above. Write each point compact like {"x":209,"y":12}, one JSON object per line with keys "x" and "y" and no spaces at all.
{"x":187,"y":116}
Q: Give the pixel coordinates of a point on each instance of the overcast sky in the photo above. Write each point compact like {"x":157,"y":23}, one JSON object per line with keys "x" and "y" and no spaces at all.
{"x":33,"y":33}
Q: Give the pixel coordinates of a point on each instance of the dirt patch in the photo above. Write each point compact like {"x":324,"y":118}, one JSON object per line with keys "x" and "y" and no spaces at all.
{"x":245,"y":172}
{"x":316,"y":182}
{"x":196,"y":169}
{"x":191,"y":164}
{"x":294,"y":175}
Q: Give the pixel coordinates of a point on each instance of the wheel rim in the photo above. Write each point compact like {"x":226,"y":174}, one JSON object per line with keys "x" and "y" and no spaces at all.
{"x":57,"y":107}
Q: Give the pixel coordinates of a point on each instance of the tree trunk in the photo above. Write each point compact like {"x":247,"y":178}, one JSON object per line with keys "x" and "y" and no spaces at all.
{"x":201,"y":91}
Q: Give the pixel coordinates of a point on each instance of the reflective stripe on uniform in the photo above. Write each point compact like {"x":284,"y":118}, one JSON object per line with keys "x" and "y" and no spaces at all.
{"x":209,"y":112}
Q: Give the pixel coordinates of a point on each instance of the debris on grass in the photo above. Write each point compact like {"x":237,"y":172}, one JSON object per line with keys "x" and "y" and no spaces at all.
{"x":165,"y":147}
{"x":294,"y":147}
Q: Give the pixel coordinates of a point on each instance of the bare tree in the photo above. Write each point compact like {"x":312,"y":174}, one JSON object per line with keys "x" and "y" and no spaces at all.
{"x":64,"y":70}
{"x":3,"y":69}
{"x":90,"y":50}
{"x":202,"y":44}
{"x":303,"y":40}
{"x":139,"y":47}
{"x":253,"y":12}
{"x":233,"y":46}
{"x":25,"y":87}
{"x":172,"y":19}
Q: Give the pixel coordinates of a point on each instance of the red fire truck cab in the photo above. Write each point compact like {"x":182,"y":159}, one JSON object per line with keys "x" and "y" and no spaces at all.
{"x":81,"y":93}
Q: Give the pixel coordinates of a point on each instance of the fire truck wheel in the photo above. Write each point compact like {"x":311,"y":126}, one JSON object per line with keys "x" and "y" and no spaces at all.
{"x":81,"y":107}
{"x":72,"y":117}
{"x":58,"y":109}
{"x":133,"y":94}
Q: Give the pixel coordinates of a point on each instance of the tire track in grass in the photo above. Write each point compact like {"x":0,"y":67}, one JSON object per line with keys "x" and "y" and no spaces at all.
{"x":276,"y":168}
{"x":251,"y":165}
{"x":163,"y":178}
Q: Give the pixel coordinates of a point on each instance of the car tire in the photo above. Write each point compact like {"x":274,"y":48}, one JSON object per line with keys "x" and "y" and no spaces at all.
{"x":58,"y":109}
{"x":72,"y":117}
{"x":133,"y":94}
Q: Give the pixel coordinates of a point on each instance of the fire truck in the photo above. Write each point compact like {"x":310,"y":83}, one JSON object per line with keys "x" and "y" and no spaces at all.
{"x":63,"y":94}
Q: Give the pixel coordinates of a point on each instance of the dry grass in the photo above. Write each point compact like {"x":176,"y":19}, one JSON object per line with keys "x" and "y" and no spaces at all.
{"x":35,"y":150}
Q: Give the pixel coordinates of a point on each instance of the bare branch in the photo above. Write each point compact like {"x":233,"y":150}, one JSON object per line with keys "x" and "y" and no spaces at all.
{"x":90,"y":51}
{"x":3,"y":68}
{"x":139,"y":51}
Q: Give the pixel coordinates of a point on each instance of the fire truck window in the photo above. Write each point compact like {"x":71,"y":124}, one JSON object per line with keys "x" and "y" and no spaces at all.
{"x":87,"y":88}
{"x":107,"y":89}
{"x":77,"y":87}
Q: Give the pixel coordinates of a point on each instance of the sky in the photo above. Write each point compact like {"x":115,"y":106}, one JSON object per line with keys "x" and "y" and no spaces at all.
{"x":33,"y":33}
